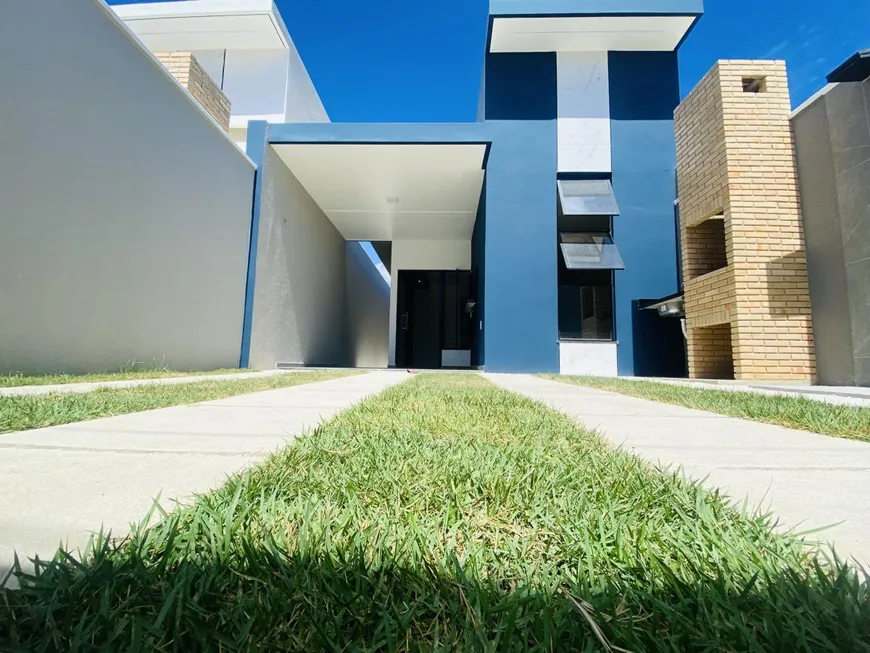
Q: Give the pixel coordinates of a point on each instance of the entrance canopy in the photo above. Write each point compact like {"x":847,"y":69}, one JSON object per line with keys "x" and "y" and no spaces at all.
{"x":426,"y":187}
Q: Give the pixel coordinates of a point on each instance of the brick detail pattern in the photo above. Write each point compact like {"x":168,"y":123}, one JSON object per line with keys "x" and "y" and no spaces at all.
{"x":710,"y":349}
{"x":705,"y":247}
{"x":192,"y":76}
{"x":735,"y":156}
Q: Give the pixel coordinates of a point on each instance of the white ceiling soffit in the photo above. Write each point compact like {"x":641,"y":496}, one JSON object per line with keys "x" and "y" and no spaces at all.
{"x":585,"y":33}
{"x":391,"y":191}
{"x":205,"y":25}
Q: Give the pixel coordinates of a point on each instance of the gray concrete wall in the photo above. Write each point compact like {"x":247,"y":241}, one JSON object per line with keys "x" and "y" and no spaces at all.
{"x":368,"y":300}
{"x":832,"y":138}
{"x":124,"y":210}
{"x":300,"y":301}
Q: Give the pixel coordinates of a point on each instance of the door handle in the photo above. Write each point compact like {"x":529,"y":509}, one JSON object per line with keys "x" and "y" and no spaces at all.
{"x":404,"y":321}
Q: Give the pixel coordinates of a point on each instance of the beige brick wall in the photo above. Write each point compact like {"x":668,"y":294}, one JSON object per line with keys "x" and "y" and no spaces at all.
{"x":710,"y":352}
{"x":705,"y":247}
{"x":735,"y":154}
{"x":190,"y":74}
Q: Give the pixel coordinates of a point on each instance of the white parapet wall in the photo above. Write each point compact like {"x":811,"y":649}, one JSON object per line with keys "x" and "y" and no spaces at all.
{"x":125,"y":210}
{"x":588,"y":358}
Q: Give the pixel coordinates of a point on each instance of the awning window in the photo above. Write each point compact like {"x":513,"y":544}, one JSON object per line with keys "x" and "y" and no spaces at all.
{"x":585,"y":251}
{"x":587,"y":197}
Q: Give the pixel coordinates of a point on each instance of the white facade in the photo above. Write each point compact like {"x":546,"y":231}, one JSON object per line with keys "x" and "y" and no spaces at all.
{"x":583,"y":112}
{"x":587,"y":358}
{"x":245,"y":48}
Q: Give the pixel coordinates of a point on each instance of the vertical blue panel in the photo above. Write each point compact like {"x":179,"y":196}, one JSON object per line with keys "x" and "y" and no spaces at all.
{"x":520,"y":86}
{"x":644,"y":91}
{"x":521,"y":326}
{"x":478,"y":270}
{"x":255,"y":147}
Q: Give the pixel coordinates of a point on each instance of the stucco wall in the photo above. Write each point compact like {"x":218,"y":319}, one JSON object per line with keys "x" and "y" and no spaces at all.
{"x":521,"y":288}
{"x":832,"y":137}
{"x":124,"y":210}
{"x":299,"y":305}
{"x":368,"y":302}
{"x":644,"y":91}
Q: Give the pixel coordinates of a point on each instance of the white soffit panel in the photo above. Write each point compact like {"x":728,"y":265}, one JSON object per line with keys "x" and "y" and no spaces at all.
{"x":392,"y":191}
{"x":205,"y":25}
{"x":588,"y":33}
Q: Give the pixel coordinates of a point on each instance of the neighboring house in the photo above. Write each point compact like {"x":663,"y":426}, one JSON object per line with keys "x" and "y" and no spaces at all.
{"x":832,"y":138}
{"x":244,"y":47}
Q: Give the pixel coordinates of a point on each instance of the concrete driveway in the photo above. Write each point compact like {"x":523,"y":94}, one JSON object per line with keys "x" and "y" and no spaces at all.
{"x":60,"y":484}
{"x":808,"y":481}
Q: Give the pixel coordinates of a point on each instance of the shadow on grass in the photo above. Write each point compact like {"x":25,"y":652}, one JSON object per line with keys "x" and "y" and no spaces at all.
{"x":268,"y":599}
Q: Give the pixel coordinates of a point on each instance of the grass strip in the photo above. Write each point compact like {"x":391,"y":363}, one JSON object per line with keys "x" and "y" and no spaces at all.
{"x":445,"y":514}
{"x":19,"y":380}
{"x":18,"y":413}
{"x":851,"y":422}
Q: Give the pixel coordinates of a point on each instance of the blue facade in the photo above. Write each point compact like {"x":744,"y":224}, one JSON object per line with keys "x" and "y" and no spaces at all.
{"x":255,"y":148}
{"x":515,"y":258}
{"x":521,"y":326}
{"x":644,"y":91}
{"x":520,"y":86}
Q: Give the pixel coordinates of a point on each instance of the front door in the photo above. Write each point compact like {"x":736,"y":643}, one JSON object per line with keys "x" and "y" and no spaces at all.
{"x":433,"y":320}
{"x":418,"y":333}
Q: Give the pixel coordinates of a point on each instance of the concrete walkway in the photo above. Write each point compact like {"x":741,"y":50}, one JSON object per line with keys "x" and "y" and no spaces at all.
{"x":96,"y":385}
{"x":836,"y":395}
{"x":61,"y":483}
{"x":808,"y":481}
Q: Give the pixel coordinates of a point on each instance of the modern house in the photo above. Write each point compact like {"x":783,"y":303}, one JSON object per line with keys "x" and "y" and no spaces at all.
{"x":527,"y":241}
{"x":524,"y":242}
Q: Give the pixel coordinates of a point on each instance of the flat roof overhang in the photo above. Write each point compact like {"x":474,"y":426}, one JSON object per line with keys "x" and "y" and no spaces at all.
{"x":385,"y":182}
{"x":590,"y":25}
{"x":206,"y":25}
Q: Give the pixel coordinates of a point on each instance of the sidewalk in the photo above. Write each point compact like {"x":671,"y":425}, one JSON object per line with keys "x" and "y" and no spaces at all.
{"x":836,"y":395}
{"x":96,"y":385}
{"x":63,"y":482}
{"x":808,"y":481}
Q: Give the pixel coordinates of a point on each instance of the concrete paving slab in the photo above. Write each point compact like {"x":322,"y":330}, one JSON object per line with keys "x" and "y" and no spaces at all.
{"x":73,"y":388}
{"x":807,"y":480}
{"x":60,"y":484}
{"x":836,"y":395}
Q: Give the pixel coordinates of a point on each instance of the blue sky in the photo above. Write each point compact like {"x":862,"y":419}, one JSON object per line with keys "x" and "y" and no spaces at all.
{"x":415,"y":60}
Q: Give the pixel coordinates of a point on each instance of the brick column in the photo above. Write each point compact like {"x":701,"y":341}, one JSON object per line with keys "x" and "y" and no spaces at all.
{"x":744,"y":259}
{"x":192,"y":76}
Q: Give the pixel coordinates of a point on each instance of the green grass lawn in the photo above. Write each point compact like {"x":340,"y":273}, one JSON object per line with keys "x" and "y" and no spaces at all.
{"x":446,"y":514}
{"x":16,"y":380}
{"x":794,"y":412}
{"x":19,"y":413}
